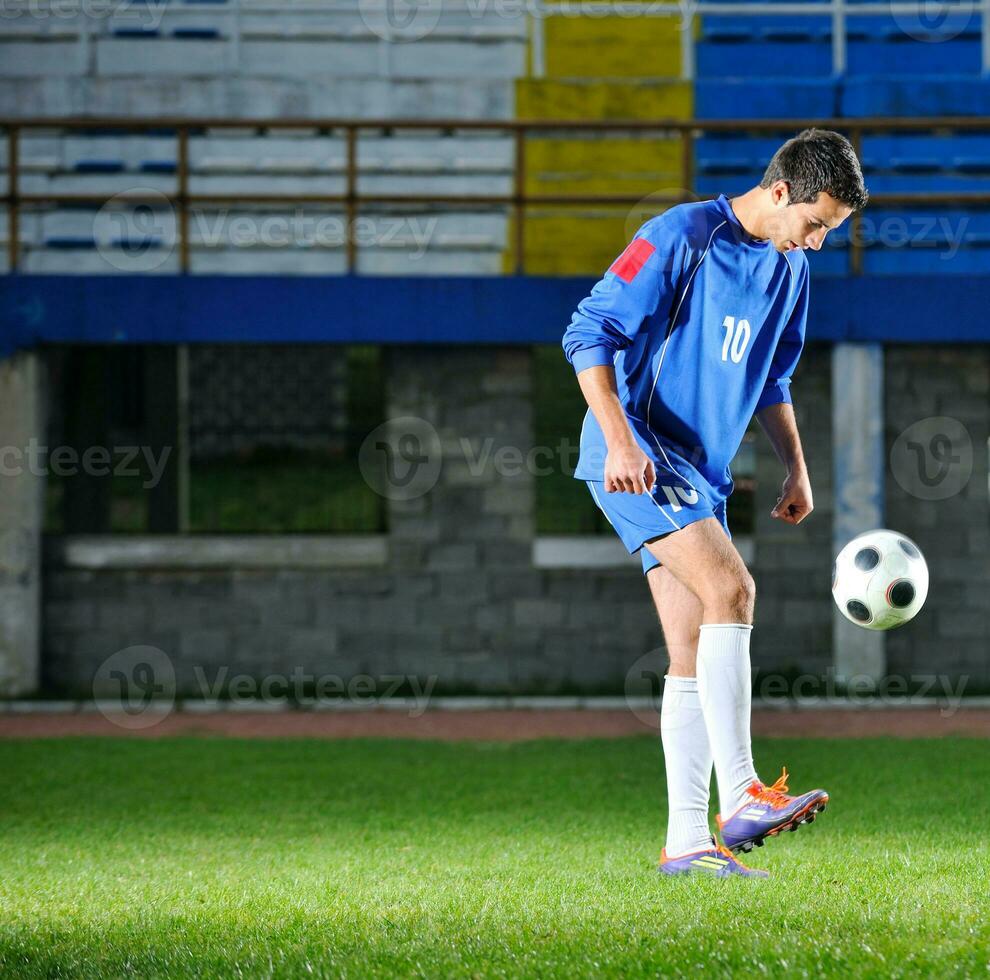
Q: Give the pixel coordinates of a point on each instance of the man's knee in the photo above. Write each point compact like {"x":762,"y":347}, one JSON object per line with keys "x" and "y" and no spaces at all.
{"x":731,"y":597}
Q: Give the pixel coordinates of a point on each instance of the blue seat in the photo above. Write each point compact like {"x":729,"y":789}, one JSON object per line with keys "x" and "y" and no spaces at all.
{"x":734,"y":154}
{"x":870,"y":56}
{"x":760,"y":59}
{"x":725,"y":166}
{"x":971,"y":164}
{"x":916,"y":165}
{"x":891,"y":96}
{"x":941,"y":182}
{"x":709,"y":186}
{"x":766,"y":98}
{"x":138,"y":33}
{"x":830,"y":261}
{"x":158,"y":166}
{"x":914,"y":153}
{"x":780,"y":27}
{"x":196,"y":33}
{"x":132,"y":244}
{"x":64,"y":242}
{"x":99,"y":166}
{"x":924,"y":262}
{"x":975,"y":221}
{"x":730,"y":34}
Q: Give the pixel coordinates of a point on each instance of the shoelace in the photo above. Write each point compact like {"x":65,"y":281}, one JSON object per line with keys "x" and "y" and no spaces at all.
{"x":725,"y":852}
{"x":775,"y":795}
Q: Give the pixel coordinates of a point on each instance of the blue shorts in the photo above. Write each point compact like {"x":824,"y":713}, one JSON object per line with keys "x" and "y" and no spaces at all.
{"x":641,"y":517}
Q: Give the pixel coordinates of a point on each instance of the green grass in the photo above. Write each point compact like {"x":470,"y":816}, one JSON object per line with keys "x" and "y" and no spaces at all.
{"x":299,"y":858}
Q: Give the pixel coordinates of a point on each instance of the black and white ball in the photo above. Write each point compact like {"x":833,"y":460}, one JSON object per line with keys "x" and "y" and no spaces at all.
{"x":880,"y":580}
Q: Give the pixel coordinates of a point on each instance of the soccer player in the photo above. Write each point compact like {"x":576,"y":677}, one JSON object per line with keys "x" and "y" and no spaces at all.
{"x":697,"y":326}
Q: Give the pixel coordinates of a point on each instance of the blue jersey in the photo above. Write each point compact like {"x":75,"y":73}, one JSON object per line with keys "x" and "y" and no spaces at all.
{"x":704,"y":325}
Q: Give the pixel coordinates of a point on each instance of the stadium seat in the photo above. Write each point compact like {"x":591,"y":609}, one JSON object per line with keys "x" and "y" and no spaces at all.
{"x":99,"y":166}
{"x":890,"y":97}
{"x":735,"y":98}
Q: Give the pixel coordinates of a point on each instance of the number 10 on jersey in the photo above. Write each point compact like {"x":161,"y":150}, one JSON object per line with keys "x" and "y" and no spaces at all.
{"x":736,"y":339}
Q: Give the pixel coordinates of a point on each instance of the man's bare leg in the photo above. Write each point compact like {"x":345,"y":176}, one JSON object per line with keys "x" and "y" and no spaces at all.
{"x":704,"y":561}
{"x":681,"y":614}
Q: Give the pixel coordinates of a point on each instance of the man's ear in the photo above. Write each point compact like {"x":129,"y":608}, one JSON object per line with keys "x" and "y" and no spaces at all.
{"x":780,"y":193}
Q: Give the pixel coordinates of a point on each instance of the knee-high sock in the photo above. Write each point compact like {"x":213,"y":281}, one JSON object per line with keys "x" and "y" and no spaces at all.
{"x":688,"y":761}
{"x":725,"y":692}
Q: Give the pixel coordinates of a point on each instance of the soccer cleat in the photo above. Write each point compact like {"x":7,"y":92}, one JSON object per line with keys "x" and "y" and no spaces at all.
{"x":714,"y":860}
{"x":768,"y":812}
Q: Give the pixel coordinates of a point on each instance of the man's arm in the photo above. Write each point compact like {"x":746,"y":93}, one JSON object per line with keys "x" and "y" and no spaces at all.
{"x":627,"y":468}
{"x":795,"y":501}
{"x":638,"y":285}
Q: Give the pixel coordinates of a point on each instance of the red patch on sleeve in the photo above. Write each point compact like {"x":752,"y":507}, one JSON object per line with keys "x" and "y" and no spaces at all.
{"x":628,"y":264}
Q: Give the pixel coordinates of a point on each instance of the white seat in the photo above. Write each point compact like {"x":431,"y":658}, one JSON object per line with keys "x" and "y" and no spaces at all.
{"x":285,"y":262}
{"x":445,"y":184}
{"x":222,"y":164}
{"x":103,"y":184}
{"x":90,"y":262}
{"x":34,"y":58}
{"x":298,"y":165}
{"x":307,"y":58}
{"x":385,"y":263}
{"x":227,"y":184}
{"x":459,"y":59}
{"x":118,"y":57}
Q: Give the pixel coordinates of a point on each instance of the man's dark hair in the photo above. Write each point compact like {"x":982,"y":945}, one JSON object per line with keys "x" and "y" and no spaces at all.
{"x":818,"y":160}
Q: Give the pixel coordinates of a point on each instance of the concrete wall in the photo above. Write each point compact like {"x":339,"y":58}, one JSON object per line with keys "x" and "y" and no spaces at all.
{"x":454,"y":592}
{"x":937,"y":425}
{"x":792,"y":564}
{"x":458,"y":598}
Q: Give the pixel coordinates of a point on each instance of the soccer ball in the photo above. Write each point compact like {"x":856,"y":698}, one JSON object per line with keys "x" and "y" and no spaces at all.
{"x":880,"y":580}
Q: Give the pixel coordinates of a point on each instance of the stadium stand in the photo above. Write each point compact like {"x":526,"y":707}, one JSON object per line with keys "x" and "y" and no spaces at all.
{"x":238,"y":60}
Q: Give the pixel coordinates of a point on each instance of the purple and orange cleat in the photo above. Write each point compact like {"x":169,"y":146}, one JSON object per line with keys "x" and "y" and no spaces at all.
{"x":768,"y":812}
{"x":714,"y":860}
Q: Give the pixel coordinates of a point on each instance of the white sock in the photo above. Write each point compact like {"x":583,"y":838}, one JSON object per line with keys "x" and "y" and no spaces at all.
{"x":725,"y":693}
{"x":689,"y":766}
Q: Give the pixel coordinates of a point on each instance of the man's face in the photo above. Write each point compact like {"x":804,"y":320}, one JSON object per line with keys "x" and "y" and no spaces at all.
{"x":803,"y":225}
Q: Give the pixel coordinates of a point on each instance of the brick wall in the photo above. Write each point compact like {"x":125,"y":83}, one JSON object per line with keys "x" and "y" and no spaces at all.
{"x":938,"y":399}
{"x":460,"y":599}
{"x":792,"y":564}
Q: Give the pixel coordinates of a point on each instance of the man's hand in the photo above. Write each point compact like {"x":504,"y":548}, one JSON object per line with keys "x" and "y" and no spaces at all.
{"x":629,"y":470}
{"x":794,"y":503}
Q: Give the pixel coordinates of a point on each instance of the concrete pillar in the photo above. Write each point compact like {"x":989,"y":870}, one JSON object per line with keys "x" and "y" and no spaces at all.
{"x":22,"y":485}
{"x":858,"y":465}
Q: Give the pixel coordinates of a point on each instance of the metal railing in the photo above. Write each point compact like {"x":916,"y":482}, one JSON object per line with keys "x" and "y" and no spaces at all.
{"x":519,"y":202}
{"x":380,"y":21}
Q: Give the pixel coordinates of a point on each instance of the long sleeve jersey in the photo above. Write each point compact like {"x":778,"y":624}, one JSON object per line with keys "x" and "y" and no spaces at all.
{"x":704,"y":325}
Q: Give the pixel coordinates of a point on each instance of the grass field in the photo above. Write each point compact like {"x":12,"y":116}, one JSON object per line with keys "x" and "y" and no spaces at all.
{"x":300,"y":858}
